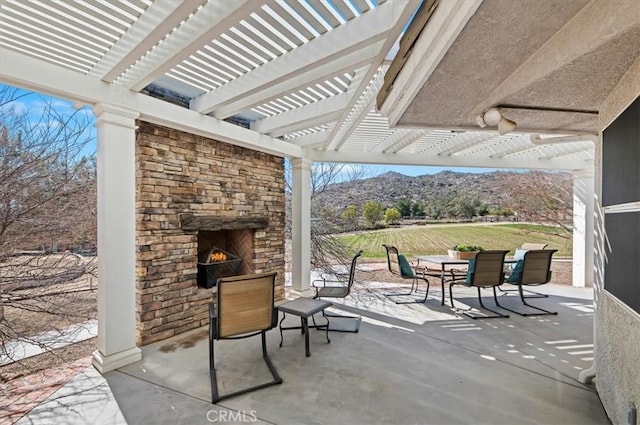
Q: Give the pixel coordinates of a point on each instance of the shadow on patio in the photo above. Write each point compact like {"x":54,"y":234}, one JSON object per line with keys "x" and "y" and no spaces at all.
{"x":415,"y":363}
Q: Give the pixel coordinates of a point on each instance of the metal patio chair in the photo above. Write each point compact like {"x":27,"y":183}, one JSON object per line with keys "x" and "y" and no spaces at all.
{"x":519,"y":255}
{"x":399,"y":266}
{"x":244,"y":308}
{"x":338,"y":289}
{"x":533,"y":270}
{"x":484,"y":271}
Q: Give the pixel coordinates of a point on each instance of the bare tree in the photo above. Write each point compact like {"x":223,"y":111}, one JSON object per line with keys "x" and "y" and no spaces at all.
{"x":326,"y":250}
{"x":47,"y":200}
{"x":542,"y":197}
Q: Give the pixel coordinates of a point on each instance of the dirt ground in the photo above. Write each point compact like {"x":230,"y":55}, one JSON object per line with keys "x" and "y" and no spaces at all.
{"x":36,"y":302}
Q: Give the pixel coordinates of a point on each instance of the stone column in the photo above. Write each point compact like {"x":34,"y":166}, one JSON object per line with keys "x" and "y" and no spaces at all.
{"x":116,"y":238}
{"x":583,"y":227}
{"x":301,"y":225}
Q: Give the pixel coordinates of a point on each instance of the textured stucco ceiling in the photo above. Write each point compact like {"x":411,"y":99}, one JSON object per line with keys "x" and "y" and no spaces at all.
{"x":548,"y":65}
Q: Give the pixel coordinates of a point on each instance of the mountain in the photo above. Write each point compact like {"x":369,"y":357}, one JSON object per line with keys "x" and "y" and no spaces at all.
{"x":492,"y":188}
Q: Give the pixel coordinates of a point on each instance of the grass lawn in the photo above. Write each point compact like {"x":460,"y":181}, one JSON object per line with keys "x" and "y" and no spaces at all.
{"x":437,"y":238}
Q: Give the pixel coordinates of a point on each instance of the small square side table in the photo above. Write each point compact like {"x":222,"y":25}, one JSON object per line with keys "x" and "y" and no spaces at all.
{"x":304,"y":308}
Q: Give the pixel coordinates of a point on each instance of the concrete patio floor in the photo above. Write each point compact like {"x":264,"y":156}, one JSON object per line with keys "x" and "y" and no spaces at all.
{"x":409,"y":364}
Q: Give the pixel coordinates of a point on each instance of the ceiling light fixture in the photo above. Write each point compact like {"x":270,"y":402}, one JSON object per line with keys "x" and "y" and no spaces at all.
{"x":493,"y":117}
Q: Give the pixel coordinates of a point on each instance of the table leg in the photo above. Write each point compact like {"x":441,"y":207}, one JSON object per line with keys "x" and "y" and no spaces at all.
{"x":327,"y":329}
{"x":305,"y":329}
{"x":442,"y":285}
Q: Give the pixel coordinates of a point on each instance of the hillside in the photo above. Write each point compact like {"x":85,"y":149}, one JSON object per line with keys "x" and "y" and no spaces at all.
{"x":492,"y":188}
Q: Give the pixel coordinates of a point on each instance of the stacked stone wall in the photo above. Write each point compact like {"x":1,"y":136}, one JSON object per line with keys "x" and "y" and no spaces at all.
{"x":180,"y":173}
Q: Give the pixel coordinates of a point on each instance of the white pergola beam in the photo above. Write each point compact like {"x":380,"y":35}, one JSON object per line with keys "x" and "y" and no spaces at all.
{"x":313,"y":140}
{"x":157,"y":21}
{"x":299,"y":81}
{"x":302,"y":117}
{"x":313,"y":122}
{"x":34,"y":74}
{"x":348,"y":39}
{"x":446,"y":161}
{"x":209,"y":22}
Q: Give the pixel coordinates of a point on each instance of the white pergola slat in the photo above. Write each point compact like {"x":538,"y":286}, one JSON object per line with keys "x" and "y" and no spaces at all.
{"x":463,"y":141}
{"x":209,"y":22}
{"x":158,"y":20}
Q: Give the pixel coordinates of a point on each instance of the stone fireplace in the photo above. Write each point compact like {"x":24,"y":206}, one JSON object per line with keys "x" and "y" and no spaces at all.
{"x":194,"y":194}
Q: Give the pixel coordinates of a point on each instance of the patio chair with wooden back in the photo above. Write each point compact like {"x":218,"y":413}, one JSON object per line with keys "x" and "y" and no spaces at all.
{"x":244,"y":308}
{"x":485,"y":271}
{"x":399,"y":266}
{"x":533,"y":270}
{"x":335,"y":288}
{"x":519,"y":255}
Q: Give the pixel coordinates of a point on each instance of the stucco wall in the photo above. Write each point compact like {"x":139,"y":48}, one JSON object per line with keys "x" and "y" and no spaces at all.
{"x":617,"y":357}
{"x":617,"y":327}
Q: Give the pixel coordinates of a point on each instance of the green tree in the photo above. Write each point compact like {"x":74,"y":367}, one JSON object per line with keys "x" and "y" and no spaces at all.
{"x":392,"y":216}
{"x":404,"y":207}
{"x":372,"y":213}
{"x":482,"y":210}
{"x":418,"y":209}
{"x":350,"y":217}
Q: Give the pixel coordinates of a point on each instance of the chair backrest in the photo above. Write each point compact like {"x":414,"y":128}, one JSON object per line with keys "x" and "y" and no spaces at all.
{"x":352,"y":271}
{"x":536,"y":267}
{"x":245,"y":303}
{"x":394,"y":262}
{"x":533,"y":246}
{"x":486,"y":269}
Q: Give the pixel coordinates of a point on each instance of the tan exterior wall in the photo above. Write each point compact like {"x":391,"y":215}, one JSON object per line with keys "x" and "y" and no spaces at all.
{"x":180,"y":173}
{"x":617,"y":327}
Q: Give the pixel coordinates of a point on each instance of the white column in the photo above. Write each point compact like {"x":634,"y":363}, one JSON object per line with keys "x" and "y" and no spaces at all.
{"x":301,"y":225}
{"x":583,"y":227}
{"x":116,"y":238}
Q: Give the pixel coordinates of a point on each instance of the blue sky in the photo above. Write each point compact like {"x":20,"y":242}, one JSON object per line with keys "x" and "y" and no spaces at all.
{"x":34,"y":103}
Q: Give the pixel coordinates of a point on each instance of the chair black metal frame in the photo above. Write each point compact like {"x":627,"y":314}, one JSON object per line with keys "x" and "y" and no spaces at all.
{"x":528,"y":246}
{"x":247,"y":310}
{"x":342,"y":290}
{"x":535,"y":271}
{"x":486,"y":271}
{"x":393,"y":264}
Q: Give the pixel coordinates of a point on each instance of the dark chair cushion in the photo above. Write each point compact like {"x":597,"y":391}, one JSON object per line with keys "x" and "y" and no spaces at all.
{"x":405,"y":267}
{"x":516,"y":273}
{"x":470,"y":271}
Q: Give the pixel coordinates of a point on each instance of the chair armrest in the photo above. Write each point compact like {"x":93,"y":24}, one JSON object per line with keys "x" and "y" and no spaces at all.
{"x":274,"y":316}
{"x":213,"y":322}
{"x":322,"y":279}
{"x":457,"y":274}
{"x":427,"y":271}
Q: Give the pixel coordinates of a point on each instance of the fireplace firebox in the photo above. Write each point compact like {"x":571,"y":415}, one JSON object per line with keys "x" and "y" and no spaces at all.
{"x":214,"y":264}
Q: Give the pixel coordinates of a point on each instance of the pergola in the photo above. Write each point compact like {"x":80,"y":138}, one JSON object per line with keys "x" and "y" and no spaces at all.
{"x":353,"y":81}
